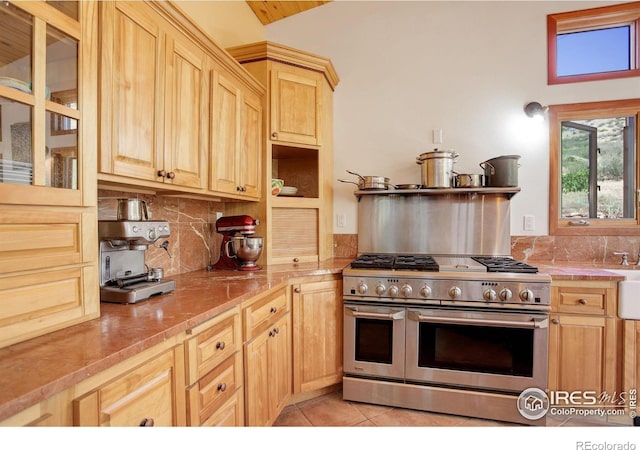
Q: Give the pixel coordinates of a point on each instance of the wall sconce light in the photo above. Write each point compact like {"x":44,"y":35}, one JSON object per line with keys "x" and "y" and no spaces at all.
{"x":535,"y":110}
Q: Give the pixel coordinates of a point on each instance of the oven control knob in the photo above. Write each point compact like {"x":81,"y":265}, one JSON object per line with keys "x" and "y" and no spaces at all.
{"x":362,"y":288}
{"x":505,"y":295}
{"x":454,"y":292}
{"x":406,"y":290}
{"x":380,"y":289}
{"x":526,"y":295}
{"x":425,"y":291}
{"x":135,"y":229}
{"x":393,"y":291}
{"x":489,"y":295}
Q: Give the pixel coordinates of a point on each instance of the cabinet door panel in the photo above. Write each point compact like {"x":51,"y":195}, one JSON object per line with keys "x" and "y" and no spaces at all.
{"x":280,"y":366}
{"x":185,"y":100}
{"x":296,"y":102}
{"x":131,"y":50}
{"x":317,"y":343}
{"x":225,"y":129}
{"x":257,"y":381}
{"x":250,"y":156}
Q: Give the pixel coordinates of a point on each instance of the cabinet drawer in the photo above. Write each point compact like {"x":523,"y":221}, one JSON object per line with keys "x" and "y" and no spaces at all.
{"x":582,"y":301}
{"x":39,"y":238}
{"x":231,"y":414}
{"x":214,"y":342}
{"x":259,"y":315}
{"x":214,"y":389}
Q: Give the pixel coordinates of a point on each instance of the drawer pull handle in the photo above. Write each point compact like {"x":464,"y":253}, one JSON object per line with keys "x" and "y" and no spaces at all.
{"x":220,"y":345}
{"x":147,"y":422}
{"x":582,"y":301}
{"x":276,"y":330}
{"x":295,"y":260}
{"x":297,"y":290}
{"x":274,"y":135}
{"x":273,"y":310}
{"x":222,"y":387}
{"x":162,"y":173}
{"x":555,"y":321}
{"x":271,"y":333}
{"x":171,"y":175}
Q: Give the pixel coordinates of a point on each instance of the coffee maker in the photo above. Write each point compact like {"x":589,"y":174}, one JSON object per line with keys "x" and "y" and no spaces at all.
{"x":124,"y":276}
{"x":239,"y":250}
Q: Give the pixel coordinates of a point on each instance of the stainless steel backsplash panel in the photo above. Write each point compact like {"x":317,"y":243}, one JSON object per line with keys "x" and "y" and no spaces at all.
{"x":446,"y":224}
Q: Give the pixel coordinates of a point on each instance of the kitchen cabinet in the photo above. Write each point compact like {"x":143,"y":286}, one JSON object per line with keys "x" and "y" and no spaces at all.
{"x":267,"y":356}
{"x":583,"y":337}
{"x":236,"y":137}
{"x":215,"y":372}
{"x":48,"y":215}
{"x":145,"y":390}
{"x":317,"y":332}
{"x":631,"y":364}
{"x":154,"y":99}
{"x":52,"y":412}
{"x":298,"y":148}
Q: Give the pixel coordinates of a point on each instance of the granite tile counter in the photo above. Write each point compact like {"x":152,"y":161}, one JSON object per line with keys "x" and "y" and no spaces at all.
{"x":581,"y":271}
{"x":36,"y":369}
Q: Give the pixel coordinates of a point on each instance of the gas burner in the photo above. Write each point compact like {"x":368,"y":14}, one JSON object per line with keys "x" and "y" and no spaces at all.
{"x":373,"y":261}
{"x":416,"y":262}
{"x":504,"y":264}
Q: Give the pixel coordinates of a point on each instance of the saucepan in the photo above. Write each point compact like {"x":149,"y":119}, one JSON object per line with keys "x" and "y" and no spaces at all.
{"x":467,"y":180}
{"x":369,"y":182}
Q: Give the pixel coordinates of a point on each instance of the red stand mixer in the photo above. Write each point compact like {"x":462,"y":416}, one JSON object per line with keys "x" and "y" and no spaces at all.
{"x":239,"y":249}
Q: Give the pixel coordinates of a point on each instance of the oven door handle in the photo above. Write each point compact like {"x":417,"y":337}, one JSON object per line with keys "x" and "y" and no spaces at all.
{"x":373,"y":315}
{"x":534,"y":323}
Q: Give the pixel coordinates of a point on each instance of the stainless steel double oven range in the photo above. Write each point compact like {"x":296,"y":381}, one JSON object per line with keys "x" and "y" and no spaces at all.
{"x":450,"y":333}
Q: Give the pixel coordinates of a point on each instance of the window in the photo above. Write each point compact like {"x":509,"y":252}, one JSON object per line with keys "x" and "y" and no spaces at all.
{"x":594,"y":168}
{"x":594,"y":44}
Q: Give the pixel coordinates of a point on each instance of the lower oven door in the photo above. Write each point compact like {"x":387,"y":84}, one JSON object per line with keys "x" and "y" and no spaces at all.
{"x":374,"y":340}
{"x":477,"y":349}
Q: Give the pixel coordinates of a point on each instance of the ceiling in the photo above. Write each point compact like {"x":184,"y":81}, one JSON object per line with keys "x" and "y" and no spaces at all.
{"x":270,"y":11}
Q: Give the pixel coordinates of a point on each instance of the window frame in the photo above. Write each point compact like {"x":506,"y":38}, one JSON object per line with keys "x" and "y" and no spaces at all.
{"x":577,"y":111}
{"x":593,"y":19}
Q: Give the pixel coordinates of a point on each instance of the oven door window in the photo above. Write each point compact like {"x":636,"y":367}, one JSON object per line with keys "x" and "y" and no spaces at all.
{"x":374,"y":340}
{"x":484,"y":349}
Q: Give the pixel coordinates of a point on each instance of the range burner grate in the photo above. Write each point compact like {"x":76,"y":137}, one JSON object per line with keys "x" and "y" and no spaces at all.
{"x":400,"y":262}
{"x":504,"y":264}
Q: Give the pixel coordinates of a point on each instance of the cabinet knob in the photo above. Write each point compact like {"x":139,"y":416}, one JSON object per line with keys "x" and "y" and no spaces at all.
{"x":273,"y":310}
{"x":162,"y":173}
{"x":239,"y":188}
{"x":276,"y":330}
{"x":271,"y":333}
{"x":295,"y":260}
{"x":222,"y":387}
{"x":555,"y":321}
{"x":171,"y":175}
{"x":274,"y":135}
{"x":147,"y":422}
{"x":582,"y":301}
{"x":297,"y":290}
{"x":220,"y":345}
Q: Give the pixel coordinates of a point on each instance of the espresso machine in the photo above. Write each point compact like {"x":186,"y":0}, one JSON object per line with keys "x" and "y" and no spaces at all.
{"x":124,"y":276}
{"x":239,"y":249}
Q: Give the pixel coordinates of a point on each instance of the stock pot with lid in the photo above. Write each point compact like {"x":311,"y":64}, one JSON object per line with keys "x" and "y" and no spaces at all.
{"x":437,"y":168}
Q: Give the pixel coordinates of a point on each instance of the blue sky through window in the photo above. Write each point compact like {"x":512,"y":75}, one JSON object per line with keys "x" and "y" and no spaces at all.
{"x":594,"y":51}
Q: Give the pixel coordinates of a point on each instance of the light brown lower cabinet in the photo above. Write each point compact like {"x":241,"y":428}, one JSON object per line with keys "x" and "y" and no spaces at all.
{"x":631,"y":364}
{"x":213,"y":356}
{"x":267,"y":357}
{"x":147,"y":392}
{"x":52,"y":412}
{"x":317,"y":332}
{"x":584,"y":337}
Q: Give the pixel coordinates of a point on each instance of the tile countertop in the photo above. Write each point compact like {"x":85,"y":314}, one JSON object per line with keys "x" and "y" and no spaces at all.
{"x":41,"y":367}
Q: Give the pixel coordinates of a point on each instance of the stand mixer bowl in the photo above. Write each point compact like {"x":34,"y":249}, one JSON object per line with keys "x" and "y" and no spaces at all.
{"x":247,"y":250}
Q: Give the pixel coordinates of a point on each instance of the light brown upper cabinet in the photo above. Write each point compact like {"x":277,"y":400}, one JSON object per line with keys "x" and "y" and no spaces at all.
{"x":236,"y":137}
{"x":154,"y":97}
{"x":48,"y":223}
{"x":296,"y":105}
{"x":298,"y":148}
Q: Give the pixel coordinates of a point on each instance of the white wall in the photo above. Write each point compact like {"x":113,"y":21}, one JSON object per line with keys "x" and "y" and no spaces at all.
{"x":229,"y":23}
{"x":467,"y":68}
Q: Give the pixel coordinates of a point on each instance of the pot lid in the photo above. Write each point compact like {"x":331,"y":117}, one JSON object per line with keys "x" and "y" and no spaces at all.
{"x":505,"y":157}
{"x":438,"y":154}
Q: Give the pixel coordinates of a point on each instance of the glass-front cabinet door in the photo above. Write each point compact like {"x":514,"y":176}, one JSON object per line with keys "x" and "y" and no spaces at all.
{"x":40,"y":114}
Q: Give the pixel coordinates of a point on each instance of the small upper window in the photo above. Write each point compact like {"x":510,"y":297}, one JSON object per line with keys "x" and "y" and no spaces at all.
{"x":594,"y":44}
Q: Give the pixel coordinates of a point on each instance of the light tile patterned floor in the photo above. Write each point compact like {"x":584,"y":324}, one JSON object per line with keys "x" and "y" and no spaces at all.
{"x":332,"y":411}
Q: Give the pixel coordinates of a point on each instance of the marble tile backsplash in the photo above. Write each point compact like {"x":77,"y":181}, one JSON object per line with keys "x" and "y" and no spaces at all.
{"x":194,"y":242}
